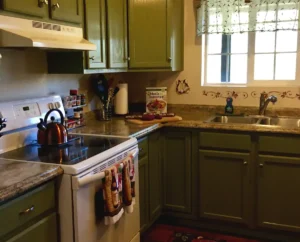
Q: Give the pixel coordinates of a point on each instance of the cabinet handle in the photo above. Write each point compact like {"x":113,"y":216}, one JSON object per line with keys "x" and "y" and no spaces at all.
{"x":28,"y":210}
{"x":42,"y":3}
{"x":92,"y":58}
{"x":55,"y":6}
{"x":261,"y":165}
{"x":245,"y":163}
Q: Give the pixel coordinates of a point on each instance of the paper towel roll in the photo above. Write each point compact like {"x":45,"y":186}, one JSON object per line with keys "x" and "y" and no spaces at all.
{"x":121,"y":100}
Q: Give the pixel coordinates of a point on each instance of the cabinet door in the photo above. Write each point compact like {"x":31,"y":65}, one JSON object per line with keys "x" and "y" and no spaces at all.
{"x":155,"y":176}
{"x":224,"y":185}
{"x":117,"y":33}
{"x":43,"y":231}
{"x":278,"y":193}
{"x":177,"y":173}
{"x":36,"y":8}
{"x":144,"y":191}
{"x":149,"y":37}
{"x":96,"y":32}
{"x":66,"y":10}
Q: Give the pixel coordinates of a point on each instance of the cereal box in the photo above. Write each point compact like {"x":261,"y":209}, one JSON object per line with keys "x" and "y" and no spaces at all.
{"x":156,"y":100}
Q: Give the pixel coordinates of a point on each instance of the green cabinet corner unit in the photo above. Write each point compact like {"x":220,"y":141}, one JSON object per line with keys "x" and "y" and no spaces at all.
{"x":130,"y":36}
{"x":64,"y":11}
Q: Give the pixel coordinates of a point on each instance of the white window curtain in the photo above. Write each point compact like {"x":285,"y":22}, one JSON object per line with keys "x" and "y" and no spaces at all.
{"x":239,"y":16}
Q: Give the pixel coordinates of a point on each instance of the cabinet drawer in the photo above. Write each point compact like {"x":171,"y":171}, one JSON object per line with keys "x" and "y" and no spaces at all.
{"x":285,"y":145}
{"x":143,"y":147}
{"x":225,"y":141}
{"x":26,"y":207}
{"x":43,"y":231}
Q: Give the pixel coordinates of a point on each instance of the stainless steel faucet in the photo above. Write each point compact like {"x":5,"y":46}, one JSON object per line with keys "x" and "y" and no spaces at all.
{"x":264,"y":102}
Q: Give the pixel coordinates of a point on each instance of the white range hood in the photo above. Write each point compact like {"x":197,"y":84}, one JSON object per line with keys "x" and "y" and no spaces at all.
{"x":16,"y":32}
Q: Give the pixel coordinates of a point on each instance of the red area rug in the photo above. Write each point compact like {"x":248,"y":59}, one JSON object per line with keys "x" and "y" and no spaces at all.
{"x":167,"y":233}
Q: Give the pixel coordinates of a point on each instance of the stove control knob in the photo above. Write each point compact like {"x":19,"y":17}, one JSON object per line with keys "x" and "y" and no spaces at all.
{"x":57,"y":105}
{"x":50,"y":106}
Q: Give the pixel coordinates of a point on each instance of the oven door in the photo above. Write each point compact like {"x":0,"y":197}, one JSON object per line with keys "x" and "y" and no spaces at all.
{"x":90,"y":228}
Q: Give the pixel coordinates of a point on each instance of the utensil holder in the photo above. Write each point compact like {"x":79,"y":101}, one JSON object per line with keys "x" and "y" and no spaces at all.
{"x":106,"y":112}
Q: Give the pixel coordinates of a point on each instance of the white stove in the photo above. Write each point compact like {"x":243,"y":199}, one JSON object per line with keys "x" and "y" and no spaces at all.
{"x":83,"y":160}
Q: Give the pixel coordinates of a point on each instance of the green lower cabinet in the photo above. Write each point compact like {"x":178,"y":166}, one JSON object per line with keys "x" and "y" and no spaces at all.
{"x":155,"y":176}
{"x":144,"y":193}
{"x":224,"y":186}
{"x":278,"y":196}
{"x":43,"y":231}
{"x":177,"y":172}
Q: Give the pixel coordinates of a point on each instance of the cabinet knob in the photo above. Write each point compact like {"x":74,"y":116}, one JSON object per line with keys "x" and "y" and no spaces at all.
{"x":92,"y":58}
{"x":245,"y":163}
{"x":170,"y":58}
{"x":42,"y":3}
{"x":261,"y":165}
{"x":141,"y":149}
{"x":128,"y":58}
{"x":55,"y":6}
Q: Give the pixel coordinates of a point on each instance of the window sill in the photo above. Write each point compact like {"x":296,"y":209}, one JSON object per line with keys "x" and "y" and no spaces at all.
{"x":256,"y":84}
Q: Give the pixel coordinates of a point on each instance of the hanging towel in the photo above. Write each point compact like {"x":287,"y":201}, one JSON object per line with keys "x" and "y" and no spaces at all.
{"x":128,"y":184}
{"x":112,"y":204}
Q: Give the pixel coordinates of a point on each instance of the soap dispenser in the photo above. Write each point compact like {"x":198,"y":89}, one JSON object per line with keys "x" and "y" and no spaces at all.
{"x":229,"y":106}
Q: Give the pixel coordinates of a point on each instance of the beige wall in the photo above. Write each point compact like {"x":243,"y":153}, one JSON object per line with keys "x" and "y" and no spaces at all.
{"x":23,"y":74}
{"x":192,"y":73}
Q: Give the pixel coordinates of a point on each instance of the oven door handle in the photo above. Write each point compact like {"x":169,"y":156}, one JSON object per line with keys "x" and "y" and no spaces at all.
{"x":80,"y":182}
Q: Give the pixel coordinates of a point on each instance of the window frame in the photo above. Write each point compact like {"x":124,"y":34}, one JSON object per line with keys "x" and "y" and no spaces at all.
{"x":250,"y":67}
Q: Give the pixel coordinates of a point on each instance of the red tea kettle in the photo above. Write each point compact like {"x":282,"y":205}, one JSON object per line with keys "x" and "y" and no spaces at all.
{"x":53,"y":133}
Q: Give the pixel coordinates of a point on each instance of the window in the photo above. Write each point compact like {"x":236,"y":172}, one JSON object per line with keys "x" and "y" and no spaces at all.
{"x":254,"y":58}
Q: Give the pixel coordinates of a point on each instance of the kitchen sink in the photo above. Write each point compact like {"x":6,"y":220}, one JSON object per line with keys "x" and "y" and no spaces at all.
{"x":285,"y":122}
{"x":233,"y":120}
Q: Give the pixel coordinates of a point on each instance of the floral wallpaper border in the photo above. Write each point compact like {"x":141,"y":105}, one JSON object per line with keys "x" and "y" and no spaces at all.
{"x":254,"y":94}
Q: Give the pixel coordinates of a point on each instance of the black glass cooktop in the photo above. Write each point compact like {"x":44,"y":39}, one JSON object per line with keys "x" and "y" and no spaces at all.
{"x":78,"y":148}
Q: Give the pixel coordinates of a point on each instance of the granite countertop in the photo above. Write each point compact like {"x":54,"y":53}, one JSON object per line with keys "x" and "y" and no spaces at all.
{"x":18,"y":177}
{"x":119,"y":127}
{"x":198,"y":124}
{"x":116,"y":127}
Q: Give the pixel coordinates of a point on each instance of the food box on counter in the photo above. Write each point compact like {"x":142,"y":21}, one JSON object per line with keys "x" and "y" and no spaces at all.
{"x":156,"y":100}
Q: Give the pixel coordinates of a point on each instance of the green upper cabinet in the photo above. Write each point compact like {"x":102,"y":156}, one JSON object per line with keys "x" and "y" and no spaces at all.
{"x":35,"y":8}
{"x":224,"y":185}
{"x":177,"y":171}
{"x":95,"y":18}
{"x":278,"y":196}
{"x":117,"y":33}
{"x":65,"y":10}
{"x":149,"y":34}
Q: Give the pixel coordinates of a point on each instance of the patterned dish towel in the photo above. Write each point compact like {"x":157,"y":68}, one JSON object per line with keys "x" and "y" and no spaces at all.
{"x":118,"y":190}
{"x":128,"y":176}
